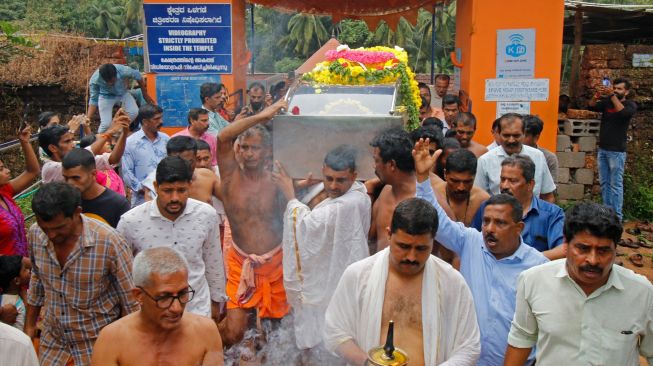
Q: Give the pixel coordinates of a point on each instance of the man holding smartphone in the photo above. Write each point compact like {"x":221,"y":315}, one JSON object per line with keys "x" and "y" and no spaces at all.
{"x":616,"y":111}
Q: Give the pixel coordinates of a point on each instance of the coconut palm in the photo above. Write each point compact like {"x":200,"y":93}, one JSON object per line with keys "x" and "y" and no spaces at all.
{"x":108,"y":18}
{"x":306,"y":33}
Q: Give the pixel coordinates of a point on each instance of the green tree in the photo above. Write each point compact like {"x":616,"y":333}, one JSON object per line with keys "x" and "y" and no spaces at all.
{"x":353,"y":33}
{"x":12,"y":10}
{"x":12,"y":44}
{"x":306,"y":33}
{"x":108,"y":18}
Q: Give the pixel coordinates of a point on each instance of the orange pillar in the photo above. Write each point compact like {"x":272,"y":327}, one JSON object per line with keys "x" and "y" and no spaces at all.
{"x":477,"y":22}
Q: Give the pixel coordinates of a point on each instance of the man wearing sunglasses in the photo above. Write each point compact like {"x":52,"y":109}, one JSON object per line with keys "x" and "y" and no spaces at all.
{"x":160,"y":332}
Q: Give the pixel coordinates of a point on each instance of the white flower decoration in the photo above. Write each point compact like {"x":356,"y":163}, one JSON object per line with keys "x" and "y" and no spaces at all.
{"x":342,"y":47}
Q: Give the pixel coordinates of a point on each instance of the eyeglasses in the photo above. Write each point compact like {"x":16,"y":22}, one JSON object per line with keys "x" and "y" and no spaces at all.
{"x":165,"y":302}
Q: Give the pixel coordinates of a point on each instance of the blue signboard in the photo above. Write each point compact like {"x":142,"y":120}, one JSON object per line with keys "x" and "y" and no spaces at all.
{"x":178,"y":94}
{"x":189,"y":38}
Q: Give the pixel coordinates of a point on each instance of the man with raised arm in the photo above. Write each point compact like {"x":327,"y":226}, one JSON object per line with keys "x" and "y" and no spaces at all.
{"x":254,"y":208}
{"x":161,"y":332}
{"x":489,"y":261}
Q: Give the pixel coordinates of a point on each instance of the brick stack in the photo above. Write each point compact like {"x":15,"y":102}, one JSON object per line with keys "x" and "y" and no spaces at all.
{"x":576,"y":150}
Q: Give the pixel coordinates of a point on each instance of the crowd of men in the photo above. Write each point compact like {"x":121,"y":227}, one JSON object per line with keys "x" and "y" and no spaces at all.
{"x":212,"y":244}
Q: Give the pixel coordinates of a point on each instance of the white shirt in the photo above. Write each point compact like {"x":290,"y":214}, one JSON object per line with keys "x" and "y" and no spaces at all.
{"x":449,"y":328}
{"x":327,"y":240}
{"x":571,"y":328}
{"x":488,"y":173}
{"x":16,"y":348}
{"x":195,"y":234}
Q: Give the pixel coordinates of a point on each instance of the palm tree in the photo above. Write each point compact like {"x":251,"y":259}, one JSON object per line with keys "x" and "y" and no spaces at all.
{"x":306,"y":33}
{"x":134,"y":15}
{"x":108,"y":18}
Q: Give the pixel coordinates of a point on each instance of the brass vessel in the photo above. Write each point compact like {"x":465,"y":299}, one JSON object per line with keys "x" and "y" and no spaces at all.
{"x":387,"y":355}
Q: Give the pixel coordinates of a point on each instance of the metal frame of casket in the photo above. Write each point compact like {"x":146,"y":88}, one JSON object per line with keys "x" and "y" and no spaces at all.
{"x":322,"y":117}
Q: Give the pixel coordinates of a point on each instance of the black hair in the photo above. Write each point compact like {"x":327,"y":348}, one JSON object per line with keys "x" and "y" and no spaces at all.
{"x":108,"y":72}
{"x":506,"y":199}
{"x":461,"y":161}
{"x":524,"y":163}
{"x":87,"y":141}
{"x":173,"y":169}
{"x":208,"y":90}
{"x":432,"y":133}
{"x":511,"y":118}
{"x":10,"y":266}
{"x":415,"y":216}
{"x":148,"y":111}
{"x":624,"y":81}
{"x":495,"y":124}
{"x":341,"y":158}
{"x":256,"y":85}
{"x":56,"y":198}
{"x":179,"y":144}
{"x":443,"y":77}
{"x":533,"y":125}
{"x":599,"y":220}
{"x":432,"y":121}
{"x":466,"y":118}
{"x":79,"y":157}
{"x":45,"y":117}
{"x":194,"y":114}
{"x":450,"y":99}
{"x":51,"y":136}
{"x":451,"y":133}
{"x":424,"y":102}
{"x":202,"y":145}
{"x":395,"y":144}
{"x":450,"y":143}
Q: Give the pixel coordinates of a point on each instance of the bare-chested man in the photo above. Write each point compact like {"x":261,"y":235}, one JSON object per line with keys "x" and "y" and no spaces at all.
{"x":394,"y":166}
{"x":205,"y":183}
{"x":429,"y":302}
{"x":160,"y":333}
{"x":254,"y":207}
{"x":465,"y":126}
{"x":459,"y":191}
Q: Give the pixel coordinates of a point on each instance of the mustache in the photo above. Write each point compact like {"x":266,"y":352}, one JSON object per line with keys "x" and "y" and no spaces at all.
{"x":489,"y":237}
{"x":410,"y":263}
{"x":591,"y":268}
{"x":506,"y":191}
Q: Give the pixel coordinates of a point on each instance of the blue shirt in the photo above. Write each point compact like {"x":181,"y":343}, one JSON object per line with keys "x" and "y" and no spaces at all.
{"x":140,"y":158}
{"x":493,"y":282}
{"x":543,"y":224}
{"x":97,"y":86}
{"x":216,"y":122}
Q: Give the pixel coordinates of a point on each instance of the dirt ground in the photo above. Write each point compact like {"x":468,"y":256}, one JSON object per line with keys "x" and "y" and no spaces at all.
{"x":647,"y":254}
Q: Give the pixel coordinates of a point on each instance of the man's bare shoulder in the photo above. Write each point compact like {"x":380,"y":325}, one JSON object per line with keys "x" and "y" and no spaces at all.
{"x":440,"y":187}
{"x":118,"y":329}
{"x":203,"y":172}
{"x":479,"y":194}
{"x":202,"y":327}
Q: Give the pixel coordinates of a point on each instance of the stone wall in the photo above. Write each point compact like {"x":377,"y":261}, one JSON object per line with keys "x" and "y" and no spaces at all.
{"x":576,"y":151}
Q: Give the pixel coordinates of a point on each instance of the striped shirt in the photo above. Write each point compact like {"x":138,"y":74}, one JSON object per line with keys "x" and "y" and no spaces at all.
{"x":89,"y":292}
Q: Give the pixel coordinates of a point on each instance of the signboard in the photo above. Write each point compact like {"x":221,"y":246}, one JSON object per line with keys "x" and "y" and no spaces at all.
{"x":188,"y":38}
{"x":513,"y":107}
{"x":516,"y":53}
{"x":516,"y":90}
{"x":177,"y":94}
{"x":642,"y":60}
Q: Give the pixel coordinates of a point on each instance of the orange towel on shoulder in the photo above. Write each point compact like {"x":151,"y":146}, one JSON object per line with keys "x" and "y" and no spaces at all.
{"x":256,"y":281}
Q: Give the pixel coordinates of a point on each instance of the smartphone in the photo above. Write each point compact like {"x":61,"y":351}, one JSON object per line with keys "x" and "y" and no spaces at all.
{"x":23,"y":122}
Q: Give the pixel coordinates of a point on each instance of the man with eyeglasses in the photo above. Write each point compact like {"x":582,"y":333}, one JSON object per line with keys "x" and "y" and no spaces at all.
{"x":160,"y":332}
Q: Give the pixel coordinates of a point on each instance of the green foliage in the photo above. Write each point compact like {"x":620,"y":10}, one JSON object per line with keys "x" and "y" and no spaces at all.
{"x":354,"y":33}
{"x":306,"y":33}
{"x":11,"y":44}
{"x":12,"y":9}
{"x":288,"y":64}
{"x":638,"y":185}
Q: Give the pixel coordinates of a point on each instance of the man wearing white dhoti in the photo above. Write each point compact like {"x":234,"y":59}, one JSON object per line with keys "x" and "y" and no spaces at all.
{"x":319,"y":244}
{"x":428,"y":300}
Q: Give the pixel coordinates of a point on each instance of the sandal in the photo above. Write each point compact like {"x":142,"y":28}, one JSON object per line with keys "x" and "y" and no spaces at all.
{"x":644,"y":244}
{"x":634,"y":231}
{"x":636,"y":259}
{"x":628,"y":242}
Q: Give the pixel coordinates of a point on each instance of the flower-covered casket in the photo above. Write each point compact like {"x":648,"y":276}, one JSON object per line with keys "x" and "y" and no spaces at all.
{"x":347,"y":99}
